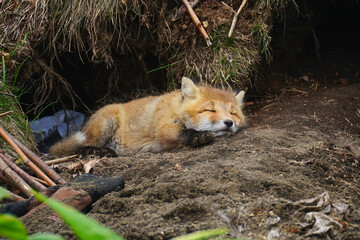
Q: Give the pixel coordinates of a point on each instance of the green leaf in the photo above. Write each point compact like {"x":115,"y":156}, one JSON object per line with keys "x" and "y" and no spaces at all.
{"x":83,"y":226}
{"x":200,"y":235}
{"x":4,"y":193}
{"x":11,"y":227}
{"x":45,"y":236}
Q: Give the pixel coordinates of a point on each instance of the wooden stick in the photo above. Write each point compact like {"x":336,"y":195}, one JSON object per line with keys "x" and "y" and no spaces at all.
{"x":26,"y":160}
{"x":60,"y":160}
{"x":40,"y":163}
{"x":24,"y":175}
{"x":16,"y":179}
{"x":197,"y":21}
{"x":5,"y":113}
{"x":236,"y":17}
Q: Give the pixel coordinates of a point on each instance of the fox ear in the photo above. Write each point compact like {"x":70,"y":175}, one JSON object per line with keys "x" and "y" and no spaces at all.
{"x":240,"y":98}
{"x":188,"y":88}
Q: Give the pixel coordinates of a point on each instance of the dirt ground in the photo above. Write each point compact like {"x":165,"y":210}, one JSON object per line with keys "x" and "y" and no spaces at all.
{"x":296,"y":145}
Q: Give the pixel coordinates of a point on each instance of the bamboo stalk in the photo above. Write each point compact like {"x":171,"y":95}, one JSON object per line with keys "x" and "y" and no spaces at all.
{"x":16,"y":179}
{"x":236,"y":17}
{"x":60,"y":160}
{"x":26,"y":160}
{"x":48,"y":170}
{"x":24,"y":175}
{"x":197,"y":22}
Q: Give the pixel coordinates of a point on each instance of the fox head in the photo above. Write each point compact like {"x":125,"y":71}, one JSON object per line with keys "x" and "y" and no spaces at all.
{"x":211,"y":109}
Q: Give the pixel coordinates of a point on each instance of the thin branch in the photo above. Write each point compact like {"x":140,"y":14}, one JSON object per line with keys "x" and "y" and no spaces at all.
{"x":6,"y":113}
{"x":8,"y":94}
{"x":192,"y":4}
{"x":197,"y":22}
{"x":236,"y":17}
{"x":60,"y":160}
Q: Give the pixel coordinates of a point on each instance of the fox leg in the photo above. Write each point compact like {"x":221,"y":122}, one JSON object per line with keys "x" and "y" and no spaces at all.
{"x":193,"y":138}
{"x":101,"y":133}
{"x":174,"y":135}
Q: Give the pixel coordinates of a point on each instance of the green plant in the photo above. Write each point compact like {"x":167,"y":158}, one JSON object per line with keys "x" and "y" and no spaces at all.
{"x":11,"y":227}
{"x":170,"y":84}
{"x":83,"y":226}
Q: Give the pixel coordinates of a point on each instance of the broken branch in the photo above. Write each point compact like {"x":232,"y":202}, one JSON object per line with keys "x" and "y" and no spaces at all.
{"x":15,"y":197}
{"x":236,"y":17}
{"x":48,"y":170}
{"x":26,"y":160}
{"x":197,"y":22}
{"x":24,"y":175}
{"x":15,"y":179}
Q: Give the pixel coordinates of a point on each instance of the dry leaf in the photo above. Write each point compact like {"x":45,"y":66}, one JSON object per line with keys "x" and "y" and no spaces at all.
{"x":89,"y":165}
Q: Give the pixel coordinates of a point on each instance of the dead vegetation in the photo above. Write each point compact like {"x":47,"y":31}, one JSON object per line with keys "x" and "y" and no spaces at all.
{"x":101,"y":31}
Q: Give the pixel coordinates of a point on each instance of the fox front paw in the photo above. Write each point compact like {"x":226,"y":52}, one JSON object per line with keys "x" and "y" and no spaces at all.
{"x":193,"y":138}
{"x":100,"y":152}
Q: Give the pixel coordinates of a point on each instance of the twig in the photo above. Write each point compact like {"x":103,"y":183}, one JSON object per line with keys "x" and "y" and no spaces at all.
{"x":48,"y":170}
{"x":60,"y":160}
{"x":192,"y":4}
{"x":15,"y":197}
{"x":236,"y":17}
{"x":26,"y":160}
{"x":16,"y":179}
{"x":8,"y":94}
{"x":5,"y":113}
{"x":197,"y":21}
{"x":248,"y":104}
{"x":40,"y":180}
{"x":24,"y":175}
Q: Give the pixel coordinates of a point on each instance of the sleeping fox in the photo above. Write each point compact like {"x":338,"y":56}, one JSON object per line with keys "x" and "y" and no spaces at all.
{"x":192,"y":117}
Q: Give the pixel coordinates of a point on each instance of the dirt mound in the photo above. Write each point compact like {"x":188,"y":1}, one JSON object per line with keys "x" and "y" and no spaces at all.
{"x":296,"y":146}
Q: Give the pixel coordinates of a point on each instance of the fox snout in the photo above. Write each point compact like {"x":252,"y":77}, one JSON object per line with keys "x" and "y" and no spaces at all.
{"x":228,"y":123}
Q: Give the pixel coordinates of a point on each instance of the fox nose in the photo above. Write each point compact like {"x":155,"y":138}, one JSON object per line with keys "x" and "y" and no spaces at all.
{"x":228,"y":122}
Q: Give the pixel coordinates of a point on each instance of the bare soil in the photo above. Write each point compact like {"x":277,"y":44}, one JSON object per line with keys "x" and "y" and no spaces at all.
{"x":297,"y":145}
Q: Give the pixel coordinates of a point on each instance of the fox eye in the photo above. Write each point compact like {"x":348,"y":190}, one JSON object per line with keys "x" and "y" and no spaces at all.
{"x":233,"y":113}
{"x":210,"y":110}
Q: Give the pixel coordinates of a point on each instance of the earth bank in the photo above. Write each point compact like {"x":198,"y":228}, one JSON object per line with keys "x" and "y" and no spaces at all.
{"x":295,"y":146}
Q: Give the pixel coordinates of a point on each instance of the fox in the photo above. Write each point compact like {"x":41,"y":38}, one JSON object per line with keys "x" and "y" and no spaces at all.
{"x":192,"y":116}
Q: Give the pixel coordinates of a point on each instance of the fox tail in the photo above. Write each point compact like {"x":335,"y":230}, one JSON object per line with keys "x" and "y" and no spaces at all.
{"x":68,"y":146}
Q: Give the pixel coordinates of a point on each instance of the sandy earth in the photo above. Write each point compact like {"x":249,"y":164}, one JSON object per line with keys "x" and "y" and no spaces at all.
{"x":298,"y":145}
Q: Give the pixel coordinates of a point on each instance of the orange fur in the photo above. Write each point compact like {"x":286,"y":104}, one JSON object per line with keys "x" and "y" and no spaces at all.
{"x":154,"y":123}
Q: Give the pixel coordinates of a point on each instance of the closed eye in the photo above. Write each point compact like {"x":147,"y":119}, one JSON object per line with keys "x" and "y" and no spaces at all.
{"x":207,"y":110}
